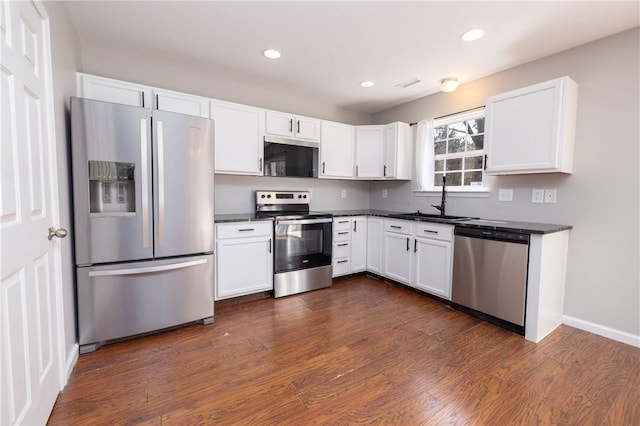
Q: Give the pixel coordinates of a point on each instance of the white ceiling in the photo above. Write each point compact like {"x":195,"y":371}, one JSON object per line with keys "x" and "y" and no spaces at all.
{"x":328,"y":48}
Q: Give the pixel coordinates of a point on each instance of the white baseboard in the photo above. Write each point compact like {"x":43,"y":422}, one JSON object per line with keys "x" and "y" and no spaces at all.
{"x":72,"y":358}
{"x":601,"y":330}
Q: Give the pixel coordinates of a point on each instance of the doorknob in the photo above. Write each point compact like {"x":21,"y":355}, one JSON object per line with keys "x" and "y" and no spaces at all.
{"x":60,"y":233}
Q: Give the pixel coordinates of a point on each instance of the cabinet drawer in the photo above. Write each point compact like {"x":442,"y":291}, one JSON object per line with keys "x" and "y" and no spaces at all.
{"x":344,"y":235}
{"x":341,"y":267}
{"x":341,"y":224}
{"x":399,"y":226}
{"x":435,"y":231}
{"x":341,"y":249}
{"x":243,"y":229}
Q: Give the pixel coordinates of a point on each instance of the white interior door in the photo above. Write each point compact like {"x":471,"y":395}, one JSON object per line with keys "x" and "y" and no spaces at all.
{"x":30,"y":348}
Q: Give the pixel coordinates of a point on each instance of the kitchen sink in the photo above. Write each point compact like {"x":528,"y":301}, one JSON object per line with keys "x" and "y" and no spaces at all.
{"x":418,"y":215}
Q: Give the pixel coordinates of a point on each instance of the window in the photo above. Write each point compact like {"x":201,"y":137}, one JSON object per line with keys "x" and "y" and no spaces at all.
{"x":458,"y":150}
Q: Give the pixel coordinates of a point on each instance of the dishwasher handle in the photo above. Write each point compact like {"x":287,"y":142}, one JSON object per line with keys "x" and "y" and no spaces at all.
{"x":492,"y":234}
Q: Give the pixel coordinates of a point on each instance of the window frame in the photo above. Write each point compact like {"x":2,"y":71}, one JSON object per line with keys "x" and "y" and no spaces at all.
{"x":473,"y":191}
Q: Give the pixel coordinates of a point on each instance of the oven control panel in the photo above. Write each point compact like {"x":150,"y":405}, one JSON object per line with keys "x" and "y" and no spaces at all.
{"x":283,"y":197}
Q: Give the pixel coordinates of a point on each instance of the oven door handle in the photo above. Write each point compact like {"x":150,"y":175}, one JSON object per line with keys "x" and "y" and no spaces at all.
{"x":303,"y":221}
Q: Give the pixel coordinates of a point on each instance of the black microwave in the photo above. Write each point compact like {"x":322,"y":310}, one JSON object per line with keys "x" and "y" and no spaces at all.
{"x":288,"y":157}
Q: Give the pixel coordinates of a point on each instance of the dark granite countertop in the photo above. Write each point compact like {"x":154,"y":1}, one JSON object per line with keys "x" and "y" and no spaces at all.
{"x":239,"y":217}
{"x":489,"y":224}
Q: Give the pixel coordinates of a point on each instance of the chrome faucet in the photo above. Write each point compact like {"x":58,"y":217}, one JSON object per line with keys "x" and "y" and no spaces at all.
{"x":444,"y":197}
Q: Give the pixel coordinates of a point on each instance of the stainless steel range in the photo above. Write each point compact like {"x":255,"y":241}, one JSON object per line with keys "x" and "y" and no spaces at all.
{"x":302,"y":252}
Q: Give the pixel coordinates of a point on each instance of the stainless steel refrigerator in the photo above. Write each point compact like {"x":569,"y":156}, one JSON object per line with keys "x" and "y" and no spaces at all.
{"x":143,"y":215}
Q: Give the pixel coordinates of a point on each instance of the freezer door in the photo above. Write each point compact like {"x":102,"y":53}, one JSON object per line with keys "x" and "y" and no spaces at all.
{"x":183,"y":184}
{"x":111,"y":146}
{"x":124,"y":300}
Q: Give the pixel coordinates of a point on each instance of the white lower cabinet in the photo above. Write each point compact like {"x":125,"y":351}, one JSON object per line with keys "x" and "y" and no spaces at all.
{"x":244,"y":259}
{"x":398,"y":250}
{"x":433,"y":263}
{"x":420,"y":255}
{"x":349,"y":245}
{"x":374,"y":244}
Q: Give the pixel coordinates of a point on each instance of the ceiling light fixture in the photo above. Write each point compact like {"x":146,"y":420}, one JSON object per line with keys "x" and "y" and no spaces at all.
{"x":271,"y":53}
{"x":472,"y":35}
{"x":448,"y":84}
{"x":367,"y":83}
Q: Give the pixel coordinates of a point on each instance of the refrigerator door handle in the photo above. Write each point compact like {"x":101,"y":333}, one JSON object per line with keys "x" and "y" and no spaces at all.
{"x":144,"y":182}
{"x":146,"y":270}
{"x":160,"y":184}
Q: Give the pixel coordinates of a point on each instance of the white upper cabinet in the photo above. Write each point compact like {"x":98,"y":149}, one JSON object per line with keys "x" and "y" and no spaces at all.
{"x":397,"y":151}
{"x":239,"y":131}
{"x":532,"y":130}
{"x":166,"y":100}
{"x":369,"y":151}
{"x":336,"y":150}
{"x":116,"y":91}
{"x":292,"y":126}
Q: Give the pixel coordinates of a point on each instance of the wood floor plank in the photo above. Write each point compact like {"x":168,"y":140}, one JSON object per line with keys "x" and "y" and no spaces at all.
{"x":364,"y":351}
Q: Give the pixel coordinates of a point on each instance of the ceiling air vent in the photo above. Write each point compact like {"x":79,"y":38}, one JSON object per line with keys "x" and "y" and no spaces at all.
{"x":407,"y":83}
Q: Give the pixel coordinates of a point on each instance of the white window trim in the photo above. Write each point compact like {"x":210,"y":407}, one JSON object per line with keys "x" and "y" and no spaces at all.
{"x":455,"y":191}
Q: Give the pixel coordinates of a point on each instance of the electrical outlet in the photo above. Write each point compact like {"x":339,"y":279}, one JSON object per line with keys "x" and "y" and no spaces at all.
{"x":505,"y":194}
{"x":343,"y":193}
{"x":537,"y":196}
{"x":550,"y":196}
{"x":384,"y":193}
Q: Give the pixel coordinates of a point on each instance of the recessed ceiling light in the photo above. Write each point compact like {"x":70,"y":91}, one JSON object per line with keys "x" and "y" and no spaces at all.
{"x":367,"y":83}
{"x":472,"y":35}
{"x":271,"y":53}
{"x":448,"y":84}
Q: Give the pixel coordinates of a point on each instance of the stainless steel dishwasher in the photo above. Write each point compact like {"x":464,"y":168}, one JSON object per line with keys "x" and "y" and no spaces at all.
{"x":490,"y":275}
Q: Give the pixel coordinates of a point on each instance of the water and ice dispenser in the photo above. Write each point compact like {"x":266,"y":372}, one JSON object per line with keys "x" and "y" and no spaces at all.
{"x":111,"y":188}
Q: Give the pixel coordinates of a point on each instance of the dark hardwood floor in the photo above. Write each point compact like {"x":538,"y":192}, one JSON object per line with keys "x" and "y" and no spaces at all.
{"x":364,"y":351}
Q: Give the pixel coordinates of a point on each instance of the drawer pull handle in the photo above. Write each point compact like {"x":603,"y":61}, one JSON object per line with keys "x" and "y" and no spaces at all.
{"x":430,"y":231}
{"x":343,"y":244}
{"x":342,"y":233}
{"x":246,"y":229}
{"x":396,"y":227}
{"x":342,"y":261}
{"x":343,"y":221}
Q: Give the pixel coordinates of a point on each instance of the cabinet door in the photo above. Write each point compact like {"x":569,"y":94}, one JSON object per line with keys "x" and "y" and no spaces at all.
{"x":398,"y":257}
{"x":531,"y":130}
{"x":280,"y":124}
{"x":336,"y":150}
{"x":239,"y":130}
{"x":116,"y":91}
{"x":369,"y":146}
{"x":358,"y":244}
{"x":182,"y":103}
{"x":233,"y":277}
{"x":433,"y":267}
{"x":374,"y":245}
{"x":398,"y":151}
{"x":390,"y":150}
{"x":307,"y":128}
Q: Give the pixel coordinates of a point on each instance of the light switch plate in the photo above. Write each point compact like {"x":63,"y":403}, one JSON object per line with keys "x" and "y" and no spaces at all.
{"x":550,"y":196}
{"x":537,"y":196}
{"x":384,"y":193}
{"x":343,"y":193}
{"x":505,"y":194}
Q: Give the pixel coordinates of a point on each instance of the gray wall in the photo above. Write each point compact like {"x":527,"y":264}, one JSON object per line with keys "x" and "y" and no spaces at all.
{"x":134,"y":66}
{"x":235,"y":194}
{"x":600,"y":199}
{"x":65,"y":58}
